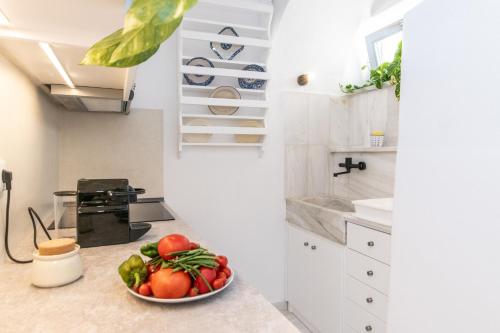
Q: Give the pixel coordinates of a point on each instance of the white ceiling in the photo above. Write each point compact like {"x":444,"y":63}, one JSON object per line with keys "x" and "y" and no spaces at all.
{"x":70,"y":27}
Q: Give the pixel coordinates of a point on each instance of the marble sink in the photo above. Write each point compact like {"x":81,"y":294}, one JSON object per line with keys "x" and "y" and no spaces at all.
{"x":324,"y":216}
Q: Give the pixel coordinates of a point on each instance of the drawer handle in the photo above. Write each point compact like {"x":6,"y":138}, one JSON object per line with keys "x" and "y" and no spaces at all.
{"x":313,"y":247}
{"x":371,"y":244}
{"x":369,"y":300}
{"x":368,"y":328}
{"x":306,"y":243}
{"x":369,"y":273}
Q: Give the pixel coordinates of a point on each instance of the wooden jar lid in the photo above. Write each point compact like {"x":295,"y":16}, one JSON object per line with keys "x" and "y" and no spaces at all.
{"x":56,"y":246}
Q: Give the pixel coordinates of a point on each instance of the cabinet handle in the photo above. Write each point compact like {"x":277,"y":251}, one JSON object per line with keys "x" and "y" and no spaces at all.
{"x":369,"y":273}
{"x":371,"y":244}
{"x":306,"y":243}
{"x":313,"y":247}
{"x":369,"y":300}
{"x":368,"y":328}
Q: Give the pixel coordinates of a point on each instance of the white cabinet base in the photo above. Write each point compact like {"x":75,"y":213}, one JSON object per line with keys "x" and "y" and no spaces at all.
{"x":314,"y":280}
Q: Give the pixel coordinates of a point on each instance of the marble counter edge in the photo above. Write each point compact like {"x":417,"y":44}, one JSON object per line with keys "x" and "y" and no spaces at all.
{"x":369,"y":224}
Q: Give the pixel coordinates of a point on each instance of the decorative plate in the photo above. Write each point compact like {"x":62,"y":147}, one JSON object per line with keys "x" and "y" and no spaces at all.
{"x":197,"y":138}
{"x":184,"y":299}
{"x":226,"y":92}
{"x":225,"y":50}
{"x":197,"y":79}
{"x":249,"y":138}
{"x":246,"y":83}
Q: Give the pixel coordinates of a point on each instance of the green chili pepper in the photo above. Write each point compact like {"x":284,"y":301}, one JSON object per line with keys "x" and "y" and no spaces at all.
{"x":150,"y":250}
{"x":133,"y":271}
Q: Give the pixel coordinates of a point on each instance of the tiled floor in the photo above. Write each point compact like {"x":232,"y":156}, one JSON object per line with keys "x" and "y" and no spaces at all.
{"x":302,"y":328}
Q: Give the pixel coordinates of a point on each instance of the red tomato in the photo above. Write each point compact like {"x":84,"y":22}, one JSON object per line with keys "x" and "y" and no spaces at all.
{"x":193,"y":246}
{"x":210,"y":275}
{"x":145,"y":289}
{"x":227,"y":271}
{"x":193,"y":292}
{"x":222,"y":261}
{"x":221,"y":275}
{"x":219,"y":283}
{"x":167,"y":284}
{"x":172,"y":243}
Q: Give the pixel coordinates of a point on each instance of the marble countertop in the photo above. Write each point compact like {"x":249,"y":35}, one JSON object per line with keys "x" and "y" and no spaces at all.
{"x":379,"y":226}
{"x":99,"y":301}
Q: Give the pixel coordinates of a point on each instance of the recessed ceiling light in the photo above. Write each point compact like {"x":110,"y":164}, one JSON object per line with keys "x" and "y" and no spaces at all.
{"x":3,"y":19}
{"x":57,"y":64}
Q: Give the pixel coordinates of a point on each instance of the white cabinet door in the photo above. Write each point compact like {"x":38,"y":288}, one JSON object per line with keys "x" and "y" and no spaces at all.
{"x":327,"y":262}
{"x":298,"y":275}
{"x":314,"y":287}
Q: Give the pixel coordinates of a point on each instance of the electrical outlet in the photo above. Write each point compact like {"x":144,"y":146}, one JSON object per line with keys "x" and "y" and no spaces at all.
{"x":2,"y":167}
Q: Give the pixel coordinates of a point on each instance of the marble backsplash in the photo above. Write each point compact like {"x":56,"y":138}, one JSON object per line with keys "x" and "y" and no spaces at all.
{"x":316,"y":122}
{"x":307,"y":140}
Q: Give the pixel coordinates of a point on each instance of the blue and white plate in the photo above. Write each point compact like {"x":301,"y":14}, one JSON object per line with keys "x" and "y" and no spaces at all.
{"x":226,"y":51}
{"x":197,"y":79}
{"x":246,"y":83}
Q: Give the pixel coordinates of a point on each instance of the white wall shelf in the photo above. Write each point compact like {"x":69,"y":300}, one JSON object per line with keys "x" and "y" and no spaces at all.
{"x":334,"y":149}
{"x":242,"y":4}
{"x":224,"y":102}
{"x":211,"y":37}
{"x":223,"y":130}
{"x":225,"y":24}
{"x":223,"y":144}
{"x":224,"y":72}
{"x":217,"y":61}
{"x":187,"y":87}
{"x":217,"y":117}
{"x":252,"y":21}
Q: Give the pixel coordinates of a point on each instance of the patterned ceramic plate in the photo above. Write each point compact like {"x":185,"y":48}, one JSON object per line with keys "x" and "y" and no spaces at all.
{"x":225,"y":50}
{"x":252,"y":83}
{"x":196,"y":79}
{"x":225,"y":92}
{"x":184,"y":299}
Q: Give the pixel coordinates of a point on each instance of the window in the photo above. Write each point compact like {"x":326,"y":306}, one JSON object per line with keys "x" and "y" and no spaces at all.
{"x":383,"y":44}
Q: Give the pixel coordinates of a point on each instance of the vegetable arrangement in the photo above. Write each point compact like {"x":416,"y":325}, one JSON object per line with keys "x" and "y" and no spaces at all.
{"x":177,"y":268}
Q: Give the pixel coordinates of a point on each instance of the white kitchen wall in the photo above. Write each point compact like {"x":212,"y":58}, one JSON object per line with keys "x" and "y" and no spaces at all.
{"x":446,"y":232}
{"x":106,"y":145}
{"x":233,"y":197}
{"x":29,"y":146}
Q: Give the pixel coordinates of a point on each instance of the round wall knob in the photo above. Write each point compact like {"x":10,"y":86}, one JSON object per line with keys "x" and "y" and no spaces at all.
{"x":313,"y":247}
{"x":368,"y":328}
{"x":371,"y":244}
{"x":369,"y":300}
{"x":369,"y":273}
{"x":306,"y":243}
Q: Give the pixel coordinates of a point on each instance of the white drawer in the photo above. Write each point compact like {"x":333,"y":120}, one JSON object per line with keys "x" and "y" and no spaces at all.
{"x":373,"y":243}
{"x":360,"y":320}
{"x":369,"y":271}
{"x":368,"y":298}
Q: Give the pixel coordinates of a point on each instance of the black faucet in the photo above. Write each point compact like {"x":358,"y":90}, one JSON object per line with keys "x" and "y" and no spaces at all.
{"x":349,"y":165}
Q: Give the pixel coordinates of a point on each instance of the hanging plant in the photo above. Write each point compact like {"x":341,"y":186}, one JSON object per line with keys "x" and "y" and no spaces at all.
{"x":389,"y":72}
{"x":148,"y":23}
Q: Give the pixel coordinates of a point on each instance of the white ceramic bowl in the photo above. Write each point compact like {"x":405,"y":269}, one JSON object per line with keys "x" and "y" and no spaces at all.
{"x":56,"y":270}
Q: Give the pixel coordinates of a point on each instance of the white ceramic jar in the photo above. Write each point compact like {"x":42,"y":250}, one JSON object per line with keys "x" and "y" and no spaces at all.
{"x":56,"y":270}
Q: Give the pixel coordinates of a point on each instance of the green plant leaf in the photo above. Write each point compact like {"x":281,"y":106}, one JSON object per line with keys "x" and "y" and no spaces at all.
{"x":148,"y":23}
{"x":101,"y":52}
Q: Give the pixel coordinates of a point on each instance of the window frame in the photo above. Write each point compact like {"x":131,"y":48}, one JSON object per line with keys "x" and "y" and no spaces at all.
{"x":378,"y":35}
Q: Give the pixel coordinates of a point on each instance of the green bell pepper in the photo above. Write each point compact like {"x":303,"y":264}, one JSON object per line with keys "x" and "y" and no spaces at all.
{"x":133,"y":271}
{"x":150,"y":250}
